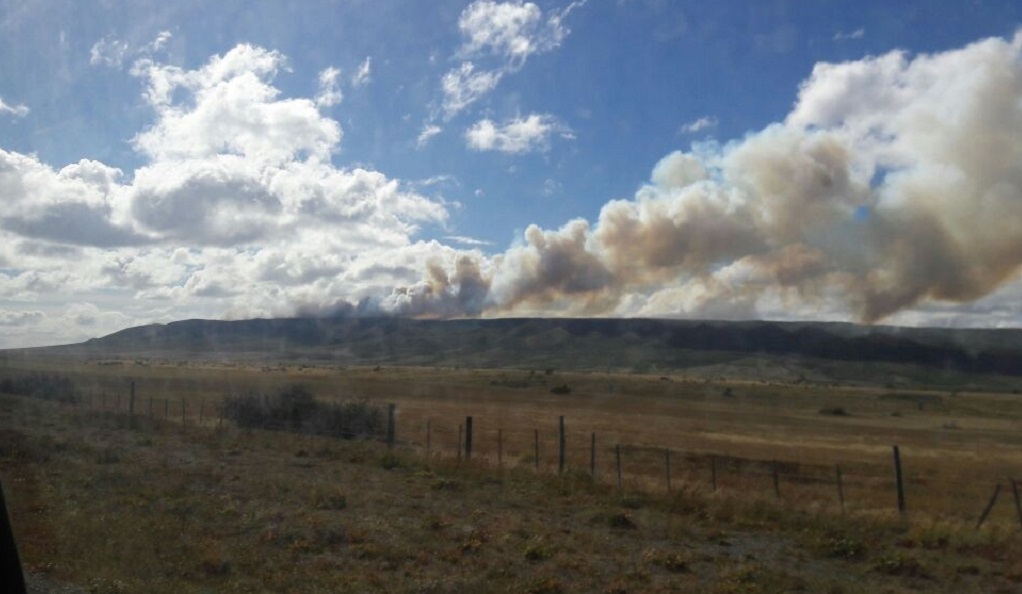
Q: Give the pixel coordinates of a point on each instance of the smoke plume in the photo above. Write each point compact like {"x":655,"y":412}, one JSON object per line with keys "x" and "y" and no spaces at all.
{"x":893,"y":181}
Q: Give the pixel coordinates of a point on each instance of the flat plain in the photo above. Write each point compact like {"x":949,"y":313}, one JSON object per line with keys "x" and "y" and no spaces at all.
{"x":114,"y":500}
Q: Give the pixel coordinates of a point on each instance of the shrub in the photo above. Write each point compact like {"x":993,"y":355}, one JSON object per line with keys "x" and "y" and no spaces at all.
{"x":836,"y":411}
{"x":561,"y":389}
{"x":43,"y":386}
{"x":294,"y":408}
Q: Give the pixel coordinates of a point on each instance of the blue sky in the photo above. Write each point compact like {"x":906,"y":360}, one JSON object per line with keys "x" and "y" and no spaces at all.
{"x":430,"y":159}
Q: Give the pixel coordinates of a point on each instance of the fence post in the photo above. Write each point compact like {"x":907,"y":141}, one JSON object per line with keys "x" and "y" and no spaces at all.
{"x":118,"y":407}
{"x":592,"y":456}
{"x":561,"y":450}
{"x":468,"y":437}
{"x":166,"y":408}
{"x":777,"y":480}
{"x":182,"y":414}
{"x":536,"y":448}
{"x":131,"y":403}
{"x":617,"y":456}
{"x":898,"y":479}
{"x":202,"y":410}
{"x":989,"y":507}
{"x":713,"y":472}
{"x":390,"y":425}
{"x":840,"y":488}
{"x":500,"y":448}
{"x":1018,"y":502}
{"x":220,"y":416}
{"x":667,"y":467}
{"x":429,"y":437}
{"x":150,"y":406}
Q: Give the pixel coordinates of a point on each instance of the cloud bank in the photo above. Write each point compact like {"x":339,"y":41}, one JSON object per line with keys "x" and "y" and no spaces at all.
{"x":891,"y":191}
{"x":236,"y":211}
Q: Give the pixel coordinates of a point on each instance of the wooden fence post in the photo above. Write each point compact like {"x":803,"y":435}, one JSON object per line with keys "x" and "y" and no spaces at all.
{"x":899,"y":481}
{"x":429,"y":437}
{"x":468,"y":437}
{"x":561,"y":450}
{"x":166,"y":408}
{"x":131,"y":403}
{"x":989,"y":507}
{"x":202,"y":410}
{"x":592,"y":456}
{"x":617,"y":457}
{"x":713,"y":472}
{"x":391,"y":429}
{"x":777,"y":480}
{"x":220,"y":416}
{"x":1018,"y":502}
{"x":500,"y":448}
{"x":118,"y":407}
{"x":536,"y":448}
{"x":667,"y":467}
{"x":150,"y":406}
{"x":182,"y":414}
{"x":840,"y":488}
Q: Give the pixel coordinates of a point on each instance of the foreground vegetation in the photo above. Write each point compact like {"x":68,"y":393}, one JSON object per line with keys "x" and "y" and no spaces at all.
{"x":115,"y":502}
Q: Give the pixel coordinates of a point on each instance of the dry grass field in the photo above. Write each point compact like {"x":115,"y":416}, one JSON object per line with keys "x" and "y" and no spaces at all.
{"x":115,"y":502}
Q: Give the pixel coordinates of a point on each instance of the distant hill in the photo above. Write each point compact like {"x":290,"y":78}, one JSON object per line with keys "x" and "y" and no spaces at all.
{"x":538,"y":343}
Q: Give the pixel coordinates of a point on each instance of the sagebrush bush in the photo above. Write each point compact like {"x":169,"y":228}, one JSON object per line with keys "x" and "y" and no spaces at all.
{"x":42,"y":385}
{"x":294,"y":408}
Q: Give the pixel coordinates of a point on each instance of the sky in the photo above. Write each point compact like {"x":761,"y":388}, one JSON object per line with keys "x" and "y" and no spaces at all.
{"x":788,"y":160}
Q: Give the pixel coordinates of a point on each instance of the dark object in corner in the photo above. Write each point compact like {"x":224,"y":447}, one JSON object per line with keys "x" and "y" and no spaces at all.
{"x":10,"y":562}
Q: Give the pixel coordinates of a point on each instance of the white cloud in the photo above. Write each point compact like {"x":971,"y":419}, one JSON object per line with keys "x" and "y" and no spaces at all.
{"x":161,"y":41}
{"x":518,"y":135}
{"x":18,"y":111}
{"x":235,"y":109}
{"x":329,"y":93}
{"x":698,"y":125}
{"x":467,"y":240}
{"x":19,"y":318}
{"x":237,"y":210}
{"x":856,"y":34}
{"x":502,"y":35}
{"x":362,"y":74}
{"x":108,"y":51}
{"x":465,"y":85}
{"x":428,"y":132}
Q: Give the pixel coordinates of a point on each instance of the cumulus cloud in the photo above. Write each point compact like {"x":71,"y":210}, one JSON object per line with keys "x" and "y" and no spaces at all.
{"x":235,"y":210}
{"x":19,"y":318}
{"x":892,"y":184}
{"x":18,"y":111}
{"x":517,"y":135}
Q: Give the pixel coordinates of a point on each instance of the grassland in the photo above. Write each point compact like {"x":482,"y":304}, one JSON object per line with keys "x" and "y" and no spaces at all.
{"x":117,"y":502}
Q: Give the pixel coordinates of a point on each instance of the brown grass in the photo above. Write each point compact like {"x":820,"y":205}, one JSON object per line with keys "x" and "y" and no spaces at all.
{"x":121,"y":503}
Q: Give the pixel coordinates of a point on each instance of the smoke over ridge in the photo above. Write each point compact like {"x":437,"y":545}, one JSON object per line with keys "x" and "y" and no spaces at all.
{"x":893,"y":181}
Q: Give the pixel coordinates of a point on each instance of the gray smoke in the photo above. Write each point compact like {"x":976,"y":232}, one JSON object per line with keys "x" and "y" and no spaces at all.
{"x":893,"y":181}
